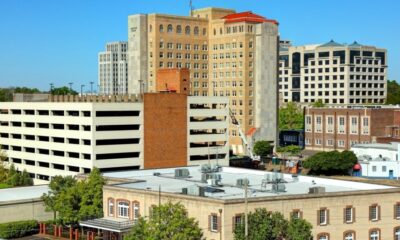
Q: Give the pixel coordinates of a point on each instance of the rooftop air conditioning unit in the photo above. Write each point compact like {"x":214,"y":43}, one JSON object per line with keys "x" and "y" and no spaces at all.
{"x":315,"y":190}
{"x":278,"y":187}
{"x":181,"y":173}
{"x":241,"y":182}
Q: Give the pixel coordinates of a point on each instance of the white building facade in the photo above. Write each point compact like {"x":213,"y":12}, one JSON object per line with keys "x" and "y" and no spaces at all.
{"x":378,"y":160}
{"x":113,"y":69}
{"x":68,"y":138}
{"x":333,"y":73}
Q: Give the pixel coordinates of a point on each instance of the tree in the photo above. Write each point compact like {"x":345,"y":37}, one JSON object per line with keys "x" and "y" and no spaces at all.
{"x":331,"y":163}
{"x":393,"y":92}
{"x":299,"y":229}
{"x":264,"y":225}
{"x":92,"y":197}
{"x":262,"y":148}
{"x":63,"y":91}
{"x":3,"y":170}
{"x":169,"y":222}
{"x":15,"y":178}
{"x":291,"y":117}
{"x":318,"y":104}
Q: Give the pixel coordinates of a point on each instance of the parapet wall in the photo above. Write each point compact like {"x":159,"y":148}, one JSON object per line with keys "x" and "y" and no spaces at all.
{"x":95,"y":98}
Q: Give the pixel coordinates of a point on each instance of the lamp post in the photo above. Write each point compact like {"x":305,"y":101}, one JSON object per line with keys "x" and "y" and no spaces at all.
{"x":51,"y":88}
{"x":220,"y":220}
{"x":70,"y":86}
{"x":82,"y":86}
{"x":91,"y":88}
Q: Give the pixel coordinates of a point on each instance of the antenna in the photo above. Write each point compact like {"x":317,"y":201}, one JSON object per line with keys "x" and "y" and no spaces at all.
{"x":191,"y":8}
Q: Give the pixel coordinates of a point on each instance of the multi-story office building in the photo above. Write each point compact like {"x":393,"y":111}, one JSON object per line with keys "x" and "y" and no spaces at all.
{"x":75,"y":135}
{"x":334,"y":73}
{"x":338,"y":128}
{"x":228,"y":54}
{"x":216,"y":199}
{"x":113,"y":69}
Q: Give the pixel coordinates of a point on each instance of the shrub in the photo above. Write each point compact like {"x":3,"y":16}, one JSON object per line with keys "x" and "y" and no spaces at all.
{"x":18,"y":229}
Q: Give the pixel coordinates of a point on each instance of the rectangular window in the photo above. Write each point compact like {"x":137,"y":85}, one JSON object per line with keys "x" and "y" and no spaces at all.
{"x":341,"y":125}
{"x":136,"y":212}
{"x":397,"y":211}
{"x":318,"y":124}
{"x":123,"y":209}
{"x":308,"y":124}
{"x":348,"y":214}
{"x":322,"y":217}
{"x":214,"y":223}
{"x":354,"y":125}
{"x":374,"y":212}
{"x":296,"y":214}
{"x":110,"y":208}
{"x":329,"y":124}
{"x":365,"y":125}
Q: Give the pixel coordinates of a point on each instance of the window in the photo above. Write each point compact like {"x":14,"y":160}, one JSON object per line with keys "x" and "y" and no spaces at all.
{"x":323,"y":236}
{"x":308,"y":124}
{"x":323,"y":216}
{"x":365,"y":125}
{"x":169,"y":28}
{"x":236,"y":221}
{"x":161,"y":28}
{"x":318,"y":124}
{"x":348,"y":214}
{"x":329,"y":124}
{"x":374,"y":234}
{"x":196,"y":30}
{"x":374,"y":212}
{"x":179,"y":29}
{"x":397,"y":211}
{"x":296,"y":214}
{"x":123,"y":209}
{"x":349,"y":235}
{"x":214,"y":222}
{"x":342,"y":125}
{"x":187,"y":30}
{"x":397,"y":233}
{"x":354,"y":125}
{"x":136,"y":210}
{"x":110,"y":207}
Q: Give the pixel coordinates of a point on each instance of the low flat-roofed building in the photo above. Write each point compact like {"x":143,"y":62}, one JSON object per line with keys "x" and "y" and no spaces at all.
{"x":23,"y":203}
{"x":378,"y":160}
{"x":215,"y":198}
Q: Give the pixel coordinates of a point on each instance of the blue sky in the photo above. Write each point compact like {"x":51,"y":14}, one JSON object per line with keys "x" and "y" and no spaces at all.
{"x":57,"y":41}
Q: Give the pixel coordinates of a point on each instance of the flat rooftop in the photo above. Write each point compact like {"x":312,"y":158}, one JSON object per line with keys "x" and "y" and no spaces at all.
{"x":227,"y":189}
{"x":22,"y":193}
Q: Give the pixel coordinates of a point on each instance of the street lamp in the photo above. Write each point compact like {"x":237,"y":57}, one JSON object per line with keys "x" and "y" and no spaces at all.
{"x":220,"y":220}
{"x":91,"y":88}
{"x":51,"y":88}
{"x":70,"y":86}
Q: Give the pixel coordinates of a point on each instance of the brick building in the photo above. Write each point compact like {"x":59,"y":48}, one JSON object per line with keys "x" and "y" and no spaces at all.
{"x":329,"y":129}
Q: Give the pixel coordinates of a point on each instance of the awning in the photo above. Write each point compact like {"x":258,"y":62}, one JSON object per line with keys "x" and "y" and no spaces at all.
{"x":120,"y":225}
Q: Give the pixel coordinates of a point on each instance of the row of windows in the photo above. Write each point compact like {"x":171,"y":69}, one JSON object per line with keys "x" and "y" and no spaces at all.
{"x":77,"y":155}
{"x":179,"y":46}
{"x":41,"y":164}
{"x":57,"y":126}
{"x":329,"y":124}
{"x":179,"y":29}
{"x":228,"y":46}
{"x":330,"y":142}
{"x":230,"y":55}
{"x":71,"y":113}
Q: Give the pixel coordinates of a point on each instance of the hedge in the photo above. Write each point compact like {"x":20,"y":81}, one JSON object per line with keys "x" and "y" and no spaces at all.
{"x":18,"y":229}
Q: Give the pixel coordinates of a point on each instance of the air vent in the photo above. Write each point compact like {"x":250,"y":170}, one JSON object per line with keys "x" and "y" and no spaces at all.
{"x":181,"y":173}
{"x":314,"y":190}
{"x":241,"y":182}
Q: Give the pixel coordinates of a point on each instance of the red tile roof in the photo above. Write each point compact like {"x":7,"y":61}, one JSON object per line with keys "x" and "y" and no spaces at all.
{"x":251,"y":131}
{"x":247,"y":17}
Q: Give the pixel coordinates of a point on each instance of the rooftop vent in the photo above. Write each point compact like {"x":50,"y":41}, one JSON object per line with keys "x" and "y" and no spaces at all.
{"x":315,"y":190}
{"x":241,"y":182}
{"x":196,"y":191}
{"x":205,"y":168}
{"x":295,"y":177}
{"x":182,"y":173}
{"x":278,"y":187}
{"x":156,"y":174}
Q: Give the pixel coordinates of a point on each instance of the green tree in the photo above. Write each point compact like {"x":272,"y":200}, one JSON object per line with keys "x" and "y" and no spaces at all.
{"x":331,"y":163}
{"x":318,"y":104}
{"x":3,"y":170}
{"x":26,"y":90}
{"x":92,"y":196}
{"x":63,"y":91}
{"x":168,"y":222}
{"x":292,"y":150}
{"x":68,"y":204}
{"x":264,"y":225}
{"x":262,"y":148}
{"x":299,"y":229}
{"x":393,"y":92}
{"x":291,"y":117}
{"x":58,"y":184}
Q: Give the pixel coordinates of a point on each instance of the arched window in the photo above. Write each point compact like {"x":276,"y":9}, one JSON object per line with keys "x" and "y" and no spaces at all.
{"x":204,"y":31}
{"x":136,"y":210}
{"x":187,"y":30}
{"x":179,"y":29}
{"x":397,"y":233}
{"x":349,"y":235}
{"x":220,"y":31}
{"x":323,"y":236}
{"x":123,"y":209}
{"x":161,"y":28}
{"x":215,"y":32}
{"x":169,"y":28}
{"x":196,"y":30}
{"x":374,"y":234}
{"x":111,"y":207}
{"x":150,"y":28}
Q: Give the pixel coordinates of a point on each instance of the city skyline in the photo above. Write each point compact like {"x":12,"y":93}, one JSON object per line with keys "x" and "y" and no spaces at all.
{"x":59,"y":42}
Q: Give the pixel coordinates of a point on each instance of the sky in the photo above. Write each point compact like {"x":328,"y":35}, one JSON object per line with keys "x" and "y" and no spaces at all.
{"x":57,"y":41}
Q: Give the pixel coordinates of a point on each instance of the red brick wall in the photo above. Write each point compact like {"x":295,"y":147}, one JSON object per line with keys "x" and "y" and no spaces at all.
{"x":173,"y":79}
{"x":165,"y":130}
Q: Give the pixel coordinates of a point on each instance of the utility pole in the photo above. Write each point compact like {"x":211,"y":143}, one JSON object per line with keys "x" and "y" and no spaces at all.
{"x":91,"y":88}
{"x":82,"y":85}
{"x":246,"y":227}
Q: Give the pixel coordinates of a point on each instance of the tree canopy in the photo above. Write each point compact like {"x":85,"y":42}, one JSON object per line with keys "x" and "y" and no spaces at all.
{"x":331,"y":163}
{"x":318,"y":104}
{"x":74,"y":200}
{"x":291,"y":150}
{"x":169,"y":222}
{"x":64,"y":91}
{"x":264,"y":225}
{"x":393,"y":92}
{"x":11,"y":177}
{"x":291,"y":117}
{"x":262,"y":148}
{"x":6,"y":94}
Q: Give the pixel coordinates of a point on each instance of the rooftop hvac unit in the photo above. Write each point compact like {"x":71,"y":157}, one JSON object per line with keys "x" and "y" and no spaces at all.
{"x":182,"y":173}
{"x":184,"y":191}
{"x":295,"y":177}
{"x":241,"y":182}
{"x":278,"y":187}
{"x":314,"y":190}
{"x":205,"y":168}
{"x":214,"y":182}
{"x":156,"y":174}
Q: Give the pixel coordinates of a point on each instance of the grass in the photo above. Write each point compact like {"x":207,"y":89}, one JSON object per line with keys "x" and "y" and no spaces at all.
{"x":4,"y":185}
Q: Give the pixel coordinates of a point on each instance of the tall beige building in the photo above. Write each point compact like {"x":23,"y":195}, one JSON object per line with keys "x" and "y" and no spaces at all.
{"x":228,"y":54}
